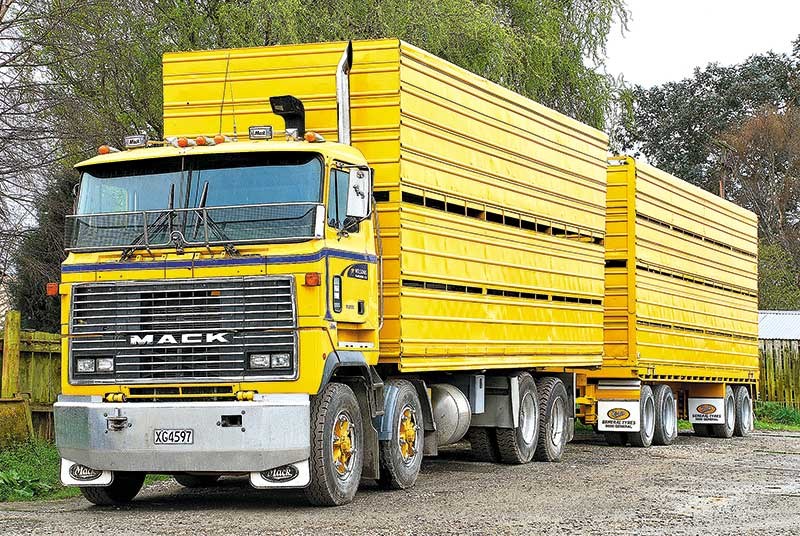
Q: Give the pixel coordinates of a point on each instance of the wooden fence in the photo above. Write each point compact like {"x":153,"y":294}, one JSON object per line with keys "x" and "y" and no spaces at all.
{"x":780,"y":371}
{"x":31,"y":371}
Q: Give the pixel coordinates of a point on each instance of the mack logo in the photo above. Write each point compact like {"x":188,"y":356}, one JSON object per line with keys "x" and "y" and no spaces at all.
{"x":618,"y":414}
{"x":184,"y":338}
{"x":83,"y":473}
{"x":284,"y":473}
{"x":706,"y":409}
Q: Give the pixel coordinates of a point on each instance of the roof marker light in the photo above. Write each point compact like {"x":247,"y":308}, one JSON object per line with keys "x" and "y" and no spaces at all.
{"x":204,"y":140}
{"x":219,"y":138}
{"x":313,"y":137}
{"x":106,"y":149}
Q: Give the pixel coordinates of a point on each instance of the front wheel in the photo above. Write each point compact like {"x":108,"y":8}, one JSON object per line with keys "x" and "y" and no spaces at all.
{"x":336,"y":446}
{"x":401,"y":456}
{"x":123,"y":489}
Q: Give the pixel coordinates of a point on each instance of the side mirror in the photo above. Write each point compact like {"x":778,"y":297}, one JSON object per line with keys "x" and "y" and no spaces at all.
{"x":359,"y":194}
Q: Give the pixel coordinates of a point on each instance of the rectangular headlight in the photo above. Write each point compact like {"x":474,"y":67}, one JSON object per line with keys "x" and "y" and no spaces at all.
{"x":281,"y":361}
{"x":259,"y":361}
{"x":85,"y":365}
{"x":105,"y":364}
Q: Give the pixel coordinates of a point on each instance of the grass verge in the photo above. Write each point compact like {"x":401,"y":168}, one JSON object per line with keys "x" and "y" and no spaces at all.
{"x":776,"y":416}
{"x":30,"y":471}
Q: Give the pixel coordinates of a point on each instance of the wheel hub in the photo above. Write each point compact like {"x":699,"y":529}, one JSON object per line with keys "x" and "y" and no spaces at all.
{"x":407,"y":434}
{"x":343,"y":449}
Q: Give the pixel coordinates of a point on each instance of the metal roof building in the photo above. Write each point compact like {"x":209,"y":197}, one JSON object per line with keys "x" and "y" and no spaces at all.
{"x":783,"y":325}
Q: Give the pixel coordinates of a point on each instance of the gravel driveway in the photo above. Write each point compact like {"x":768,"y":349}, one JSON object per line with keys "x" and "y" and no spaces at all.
{"x":696,"y":486}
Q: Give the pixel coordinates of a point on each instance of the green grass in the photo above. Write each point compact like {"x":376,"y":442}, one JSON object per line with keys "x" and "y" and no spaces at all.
{"x":30,"y":471}
{"x":775,"y":416}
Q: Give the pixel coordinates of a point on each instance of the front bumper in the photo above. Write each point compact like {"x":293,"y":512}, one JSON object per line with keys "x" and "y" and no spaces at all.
{"x":274,"y":431}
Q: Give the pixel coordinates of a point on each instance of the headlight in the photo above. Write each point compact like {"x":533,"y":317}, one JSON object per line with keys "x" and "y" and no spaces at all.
{"x":259,"y":361}
{"x":105,"y":364}
{"x":281,"y":361}
{"x":85,"y":365}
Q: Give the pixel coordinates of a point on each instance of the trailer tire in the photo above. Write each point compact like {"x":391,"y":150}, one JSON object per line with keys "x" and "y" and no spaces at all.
{"x":666,"y":429}
{"x":647,"y":419}
{"x":484,"y":444}
{"x":122,"y":490}
{"x":744,"y":412}
{"x":616,"y":439}
{"x":399,"y":468}
{"x":336,"y":436}
{"x":195,"y":481}
{"x":701,"y":430}
{"x":518,"y":445}
{"x":725,"y":430}
{"x":553,"y":415}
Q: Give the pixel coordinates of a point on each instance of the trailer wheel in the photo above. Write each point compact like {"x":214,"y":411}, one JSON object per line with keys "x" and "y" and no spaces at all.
{"x":647,"y":417}
{"x":518,"y":445}
{"x":666,"y":419}
{"x":195,"y":481}
{"x":336,"y":446}
{"x":744,"y":412}
{"x":122,"y":490}
{"x":484,"y":444}
{"x":553,"y":415}
{"x":725,"y":430}
{"x":701,"y":430}
{"x":401,"y":456}
{"x":616,"y":439}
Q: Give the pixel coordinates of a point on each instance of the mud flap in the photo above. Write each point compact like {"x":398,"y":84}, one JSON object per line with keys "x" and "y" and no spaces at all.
{"x":75,"y":474}
{"x":618,"y":416}
{"x":707,"y":410}
{"x":292,"y":475}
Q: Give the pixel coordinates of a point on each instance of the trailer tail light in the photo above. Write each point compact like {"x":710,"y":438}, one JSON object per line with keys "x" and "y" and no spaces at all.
{"x":313,"y":279}
{"x":52,"y":289}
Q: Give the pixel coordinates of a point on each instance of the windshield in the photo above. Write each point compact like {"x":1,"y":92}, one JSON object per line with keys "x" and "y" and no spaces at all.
{"x":207,"y":198}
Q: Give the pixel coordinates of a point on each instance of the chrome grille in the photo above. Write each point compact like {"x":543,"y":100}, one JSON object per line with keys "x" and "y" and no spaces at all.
{"x":128,"y":320}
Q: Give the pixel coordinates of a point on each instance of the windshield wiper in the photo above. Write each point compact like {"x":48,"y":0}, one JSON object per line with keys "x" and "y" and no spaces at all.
{"x":210,"y":223}
{"x":164,"y":220}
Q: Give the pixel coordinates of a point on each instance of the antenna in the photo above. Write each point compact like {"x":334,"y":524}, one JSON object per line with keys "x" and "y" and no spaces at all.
{"x":233,"y":104}
{"x":224,"y":87}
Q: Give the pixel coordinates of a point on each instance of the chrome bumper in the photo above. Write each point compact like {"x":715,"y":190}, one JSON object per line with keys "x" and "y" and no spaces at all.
{"x":274,"y":431}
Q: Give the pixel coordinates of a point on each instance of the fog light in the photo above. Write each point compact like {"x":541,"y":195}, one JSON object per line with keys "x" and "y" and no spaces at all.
{"x":105,"y":364}
{"x":281,"y":361}
{"x":85,"y":365}
{"x":259,"y":361}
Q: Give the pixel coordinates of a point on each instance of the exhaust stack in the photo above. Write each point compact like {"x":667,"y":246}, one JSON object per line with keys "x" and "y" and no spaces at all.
{"x":343,"y":94}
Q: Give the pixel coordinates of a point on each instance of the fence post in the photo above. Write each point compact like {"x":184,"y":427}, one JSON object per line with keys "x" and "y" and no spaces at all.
{"x":9,"y":382}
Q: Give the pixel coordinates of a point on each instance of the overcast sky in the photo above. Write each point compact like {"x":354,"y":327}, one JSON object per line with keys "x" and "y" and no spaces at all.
{"x":667,"y":39}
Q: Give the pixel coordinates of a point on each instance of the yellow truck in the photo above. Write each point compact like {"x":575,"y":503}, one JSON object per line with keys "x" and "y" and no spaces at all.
{"x":681,"y":319}
{"x":341,"y":257}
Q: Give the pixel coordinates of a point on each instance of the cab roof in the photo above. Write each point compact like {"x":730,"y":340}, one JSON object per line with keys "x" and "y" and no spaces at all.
{"x":336,"y":151}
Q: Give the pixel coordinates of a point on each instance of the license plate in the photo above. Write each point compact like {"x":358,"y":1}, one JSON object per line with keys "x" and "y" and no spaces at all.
{"x":173,"y":437}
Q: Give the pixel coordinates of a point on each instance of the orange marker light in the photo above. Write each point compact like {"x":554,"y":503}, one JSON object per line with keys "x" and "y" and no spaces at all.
{"x":313,"y":279}
{"x":183,"y":142}
{"x":219,"y":138}
{"x":103,"y":149}
{"x":201,"y":140}
{"x":52,"y":289}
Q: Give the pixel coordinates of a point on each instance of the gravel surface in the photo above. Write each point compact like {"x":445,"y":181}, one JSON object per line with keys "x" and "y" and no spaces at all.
{"x":696,"y":486}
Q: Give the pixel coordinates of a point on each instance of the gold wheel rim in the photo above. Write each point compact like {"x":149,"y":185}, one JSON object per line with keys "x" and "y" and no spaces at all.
{"x":407,"y":434}
{"x":343,"y":444}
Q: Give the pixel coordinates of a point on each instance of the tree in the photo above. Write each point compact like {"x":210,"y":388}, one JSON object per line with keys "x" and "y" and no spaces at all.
{"x":778,"y":278}
{"x":677,"y":126}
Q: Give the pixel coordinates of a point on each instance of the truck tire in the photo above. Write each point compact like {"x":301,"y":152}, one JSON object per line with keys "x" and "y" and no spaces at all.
{"x":553,"y":415}
{"x":123,"y":489}
{"x":484,"y":444}
{"x":701,"y":430}
{"x":744,"y":412}
{"x":195,"y":481}
{"x":725,"y":430}
{"x":401,"y":456}
{"x":337,"y":443}
{"x":647,"y":419}
{"x":616,"y":439}
{"x":666,"y":419}
{"x":518,"y":445}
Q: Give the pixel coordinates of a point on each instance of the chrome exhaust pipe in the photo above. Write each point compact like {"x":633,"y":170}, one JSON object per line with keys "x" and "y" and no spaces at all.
{"x":343,"y":94}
